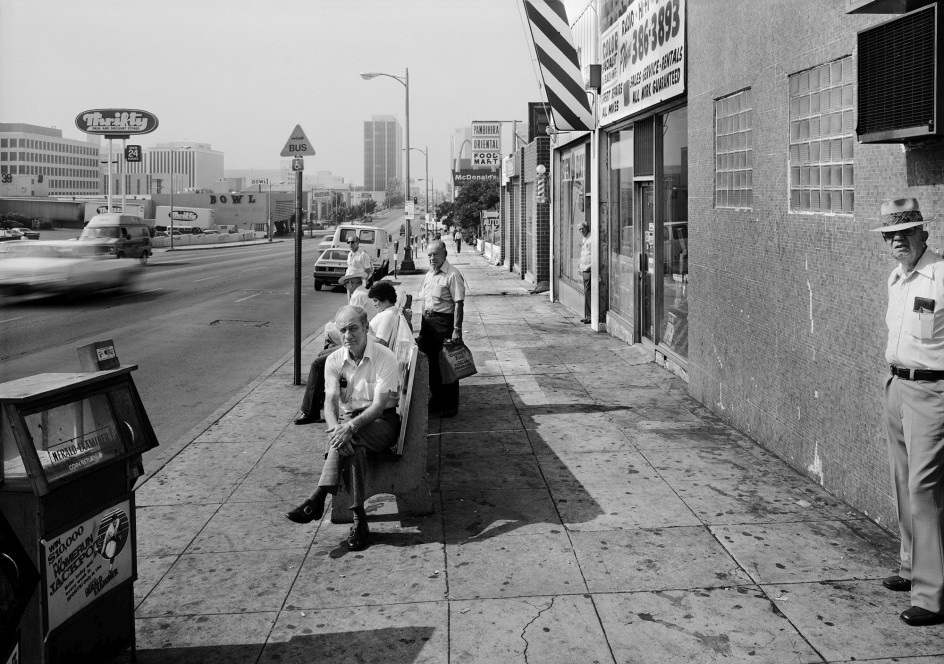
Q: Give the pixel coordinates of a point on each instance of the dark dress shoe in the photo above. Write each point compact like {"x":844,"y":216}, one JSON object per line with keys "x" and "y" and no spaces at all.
{"x":896,"y":583}
{"x":308,"y":511}
{"x":308,"y":419}
{"x":359,"y":538}
{"x":585,"y":321}
{"x":918,"y":617}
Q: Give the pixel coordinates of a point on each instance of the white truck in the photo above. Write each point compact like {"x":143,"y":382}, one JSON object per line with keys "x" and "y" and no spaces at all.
{"x":192,"y":217}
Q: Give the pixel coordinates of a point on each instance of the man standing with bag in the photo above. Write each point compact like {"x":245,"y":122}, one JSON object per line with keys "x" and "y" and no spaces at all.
{"x":914,"y":408}
{"x":443,"y":298}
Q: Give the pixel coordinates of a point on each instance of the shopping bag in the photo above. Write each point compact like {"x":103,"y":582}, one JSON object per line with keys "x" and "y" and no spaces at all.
{"x":446,"y":372}
{"x":459,"y":358}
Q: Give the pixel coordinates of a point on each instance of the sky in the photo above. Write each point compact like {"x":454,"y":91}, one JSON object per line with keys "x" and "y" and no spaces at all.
{"x":240,"y":74}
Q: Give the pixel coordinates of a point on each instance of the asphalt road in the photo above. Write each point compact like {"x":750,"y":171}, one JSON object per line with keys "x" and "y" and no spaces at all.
{"x":201,"y":325}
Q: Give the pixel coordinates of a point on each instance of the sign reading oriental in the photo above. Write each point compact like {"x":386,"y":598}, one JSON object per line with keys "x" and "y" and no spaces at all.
{"x":116,"y":122}
{"x":643,"y":58}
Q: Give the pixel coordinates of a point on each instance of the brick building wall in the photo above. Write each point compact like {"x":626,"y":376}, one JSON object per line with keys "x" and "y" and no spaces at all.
{"x":539,"y":253}
{"x":787,"y":330}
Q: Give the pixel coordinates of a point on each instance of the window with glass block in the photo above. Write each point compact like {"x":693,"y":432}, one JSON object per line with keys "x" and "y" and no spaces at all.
{"x":734,"y":151}
{"x":822,"y":135}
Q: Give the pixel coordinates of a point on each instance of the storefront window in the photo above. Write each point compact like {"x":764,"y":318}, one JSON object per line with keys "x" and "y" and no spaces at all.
{"x":674,"y":232}
{"x":572,"y":212}
{"x":621,"y":223}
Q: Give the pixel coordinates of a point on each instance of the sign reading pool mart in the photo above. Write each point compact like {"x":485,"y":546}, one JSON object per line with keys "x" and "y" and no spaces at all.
{"x":486,"y":144}
{"x":116,"y":122}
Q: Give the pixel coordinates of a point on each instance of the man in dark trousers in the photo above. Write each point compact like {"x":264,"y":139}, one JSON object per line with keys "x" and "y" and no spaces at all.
{"x":914,"y":408}
{"x":442,"y":298}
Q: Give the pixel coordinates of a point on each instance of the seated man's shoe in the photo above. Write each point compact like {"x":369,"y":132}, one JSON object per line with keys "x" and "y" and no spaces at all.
{"x":359,"y":538}
{"x":585,"y":321}
{"x":308,"y":419}
{"x":308,"y":511}
{"x":918,"y":617}
{"x":896,"y":583}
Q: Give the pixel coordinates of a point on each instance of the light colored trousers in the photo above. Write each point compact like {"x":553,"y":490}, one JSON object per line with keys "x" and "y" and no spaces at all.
{"x":914,"y":419}
{"x":378,"y":436}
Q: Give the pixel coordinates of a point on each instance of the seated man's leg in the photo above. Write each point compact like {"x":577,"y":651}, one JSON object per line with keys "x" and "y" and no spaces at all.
{"x":314,"y":389}
{"x":378,"y":436}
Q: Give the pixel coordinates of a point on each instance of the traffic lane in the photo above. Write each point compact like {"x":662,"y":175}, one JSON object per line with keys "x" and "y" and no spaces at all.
{"x":175,"y":279}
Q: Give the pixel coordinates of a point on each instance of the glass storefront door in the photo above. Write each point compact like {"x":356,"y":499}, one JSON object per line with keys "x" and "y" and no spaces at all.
{"x":645,"y":213}
{"x":673,"y":233}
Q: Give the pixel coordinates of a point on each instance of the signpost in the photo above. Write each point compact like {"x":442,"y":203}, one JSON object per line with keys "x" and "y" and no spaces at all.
{"x":298,"y":146}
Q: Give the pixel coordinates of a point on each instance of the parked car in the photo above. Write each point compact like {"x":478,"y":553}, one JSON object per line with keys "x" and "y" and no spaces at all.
{"x":61,"y":266}
{"x":326,"y":242}
{"x":330,"y":266}
{"x":6,"y":235}
{"x":28,"y":233}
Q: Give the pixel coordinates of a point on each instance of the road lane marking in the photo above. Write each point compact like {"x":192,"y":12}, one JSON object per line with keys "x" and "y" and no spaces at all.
{"x":152,"y":290}
{"x":248,"y":297}
{"x":207,"y":278}
{"x":252,"y":269}
{"x":10,"y":320}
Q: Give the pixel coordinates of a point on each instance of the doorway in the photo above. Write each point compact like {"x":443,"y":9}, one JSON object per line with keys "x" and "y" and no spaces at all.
{"x":645,"y":213}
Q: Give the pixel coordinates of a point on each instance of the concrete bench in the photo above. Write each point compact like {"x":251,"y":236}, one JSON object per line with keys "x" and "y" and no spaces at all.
{"x":402,"y":471}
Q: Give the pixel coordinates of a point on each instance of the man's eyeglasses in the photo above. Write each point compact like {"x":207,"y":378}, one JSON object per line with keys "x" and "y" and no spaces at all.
{"x":908,"y":232}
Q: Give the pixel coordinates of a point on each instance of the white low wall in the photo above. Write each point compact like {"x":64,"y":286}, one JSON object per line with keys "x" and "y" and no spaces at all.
{"x":213,"y":238}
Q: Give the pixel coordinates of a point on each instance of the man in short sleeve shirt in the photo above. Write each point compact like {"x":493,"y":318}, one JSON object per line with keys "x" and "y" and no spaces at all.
{"x":443,"y":299}
{"x":914,"y":408}
{"x":361,"y":393}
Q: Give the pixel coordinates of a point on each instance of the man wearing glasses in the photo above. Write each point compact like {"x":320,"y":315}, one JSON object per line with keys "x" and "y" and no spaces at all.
{"x":358,"y":260}
{"x":914,"y":408}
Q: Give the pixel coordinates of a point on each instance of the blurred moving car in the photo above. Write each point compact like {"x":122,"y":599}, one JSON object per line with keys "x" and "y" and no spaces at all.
{"x":118,"y":235}
{"x":6,"y":235}
{"x":330,"y":267}
{"x":61,"y":266}
{"x":326,"y":242}
{"x":28,"y":233}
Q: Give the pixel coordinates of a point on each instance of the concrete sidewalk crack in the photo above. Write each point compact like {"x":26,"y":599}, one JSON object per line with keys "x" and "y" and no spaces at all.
{"x":524,"y":630}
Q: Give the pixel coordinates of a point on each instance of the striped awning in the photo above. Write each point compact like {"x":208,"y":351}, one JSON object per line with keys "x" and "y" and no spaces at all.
{"x":557,"y":57}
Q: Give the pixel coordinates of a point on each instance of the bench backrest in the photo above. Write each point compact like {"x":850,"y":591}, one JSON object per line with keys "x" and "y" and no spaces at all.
{"x":404,"y":347}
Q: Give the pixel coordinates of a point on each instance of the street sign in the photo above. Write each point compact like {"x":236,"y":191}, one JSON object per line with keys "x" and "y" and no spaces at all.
{"x":298,"y":164}
{"x":298,"y":145}
{"x":408,"y":209}
{"x":133,"y":153}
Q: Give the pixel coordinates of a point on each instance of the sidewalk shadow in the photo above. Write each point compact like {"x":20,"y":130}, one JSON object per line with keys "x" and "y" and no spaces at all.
{"x":371,"y":646}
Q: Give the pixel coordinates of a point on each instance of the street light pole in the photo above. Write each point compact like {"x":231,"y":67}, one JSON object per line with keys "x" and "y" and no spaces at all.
{"x":405,"y":81}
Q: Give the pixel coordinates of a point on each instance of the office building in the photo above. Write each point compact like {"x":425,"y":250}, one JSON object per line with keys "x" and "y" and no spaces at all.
{"x":383,"y":154}
{"x":67,"y":166}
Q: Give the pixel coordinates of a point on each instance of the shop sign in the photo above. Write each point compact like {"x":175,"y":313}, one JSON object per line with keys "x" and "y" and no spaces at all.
{"x":486,"y":144}
{"x":86,"y":561}
{"x":643,"y":58}
{"x":116,"y":122}
{"x":508,"y":168}
{"x":468,"y":175}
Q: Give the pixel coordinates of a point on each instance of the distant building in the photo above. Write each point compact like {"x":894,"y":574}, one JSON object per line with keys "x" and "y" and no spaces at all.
{"x":65,"y":166}
{"x":199,"y":166}
{"x":383,"y":152}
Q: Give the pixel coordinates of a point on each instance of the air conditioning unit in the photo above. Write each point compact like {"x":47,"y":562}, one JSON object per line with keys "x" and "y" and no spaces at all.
{"x":900,"y":84}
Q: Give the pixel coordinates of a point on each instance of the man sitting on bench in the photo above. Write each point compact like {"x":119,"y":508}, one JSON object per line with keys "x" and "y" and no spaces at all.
{"x":361,"y":392}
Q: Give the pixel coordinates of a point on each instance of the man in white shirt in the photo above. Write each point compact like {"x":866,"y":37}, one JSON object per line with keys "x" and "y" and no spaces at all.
{"x":361,"y":391}
{"x":358,"y":260}
{"x":585,"y":265}
{"x":914,"y":408}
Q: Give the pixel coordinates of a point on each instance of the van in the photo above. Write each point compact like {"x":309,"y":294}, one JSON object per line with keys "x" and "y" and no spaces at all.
{"x":120,"y":235}
{"x":375,"y":241}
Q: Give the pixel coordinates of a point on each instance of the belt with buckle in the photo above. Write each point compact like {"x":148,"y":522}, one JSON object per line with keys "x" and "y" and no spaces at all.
{"x":429,"y":313}
{"x":916,"y":374}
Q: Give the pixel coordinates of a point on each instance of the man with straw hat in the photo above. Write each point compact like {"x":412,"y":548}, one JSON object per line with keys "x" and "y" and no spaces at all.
{"x":914,"y":408}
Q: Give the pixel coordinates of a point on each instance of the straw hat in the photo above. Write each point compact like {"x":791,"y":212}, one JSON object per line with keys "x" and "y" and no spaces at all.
{"x":352,"y":274}
{"x":900,"y":214}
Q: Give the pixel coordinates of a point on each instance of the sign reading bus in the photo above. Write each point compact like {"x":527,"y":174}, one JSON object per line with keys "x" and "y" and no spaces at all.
{"x":116,"y":122}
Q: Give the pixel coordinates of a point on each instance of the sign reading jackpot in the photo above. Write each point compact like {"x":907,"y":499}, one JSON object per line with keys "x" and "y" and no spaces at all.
{"x":643,"y":58}
{"x":486,"y":144}
{"x":116,"y":122}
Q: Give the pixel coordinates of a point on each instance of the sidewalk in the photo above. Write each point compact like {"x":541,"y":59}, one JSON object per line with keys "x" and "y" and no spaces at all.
{"x":587,"y":510}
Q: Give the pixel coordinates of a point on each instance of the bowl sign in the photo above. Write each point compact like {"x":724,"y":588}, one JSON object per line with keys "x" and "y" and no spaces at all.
{"x":116,"y":122}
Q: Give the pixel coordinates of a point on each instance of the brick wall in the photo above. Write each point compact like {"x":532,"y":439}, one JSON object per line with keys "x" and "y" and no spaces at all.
{"x":787,"y":310}
{"x":539,"y":255}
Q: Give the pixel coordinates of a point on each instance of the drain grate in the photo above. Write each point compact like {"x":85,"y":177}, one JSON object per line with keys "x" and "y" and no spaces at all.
{"x":242,"y":323}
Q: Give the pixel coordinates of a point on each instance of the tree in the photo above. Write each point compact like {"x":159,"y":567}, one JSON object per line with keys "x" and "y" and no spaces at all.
{"x":470,"y":201}
{"x":444,"y":213}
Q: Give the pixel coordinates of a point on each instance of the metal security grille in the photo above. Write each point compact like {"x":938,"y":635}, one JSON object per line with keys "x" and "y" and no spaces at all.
{"x":896,"y":76}
{"x":644,"y":157}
